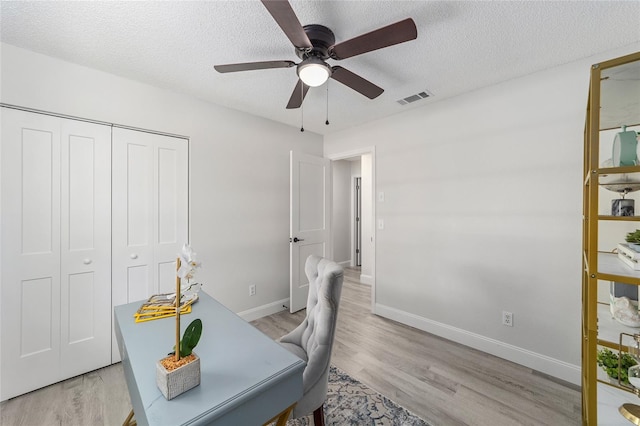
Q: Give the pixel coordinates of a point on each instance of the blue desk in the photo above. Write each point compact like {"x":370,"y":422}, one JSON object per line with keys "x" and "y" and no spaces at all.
{"x":246,"y":378}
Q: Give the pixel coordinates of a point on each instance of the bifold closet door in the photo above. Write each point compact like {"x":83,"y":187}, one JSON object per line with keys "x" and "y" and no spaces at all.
{"x":85,"y":247}
{"x":150,"y":213}
{"x":55,"y":225}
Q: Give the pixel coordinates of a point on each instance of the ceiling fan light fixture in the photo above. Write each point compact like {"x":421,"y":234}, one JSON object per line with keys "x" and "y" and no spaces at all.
{"x":313,"y":71}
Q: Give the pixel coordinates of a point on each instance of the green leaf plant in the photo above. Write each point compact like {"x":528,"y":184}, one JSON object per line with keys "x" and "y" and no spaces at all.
{"x":633,"y":237}
{"x":190,"y":338}
{"x":608,"y":360}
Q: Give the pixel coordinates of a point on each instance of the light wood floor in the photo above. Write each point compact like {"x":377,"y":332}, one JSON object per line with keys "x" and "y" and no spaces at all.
{"x":443,"y":382}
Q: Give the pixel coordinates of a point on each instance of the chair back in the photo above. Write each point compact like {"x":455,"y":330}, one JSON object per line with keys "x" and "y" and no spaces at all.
{"x":325,"y":287}
{"x":313,"y":339}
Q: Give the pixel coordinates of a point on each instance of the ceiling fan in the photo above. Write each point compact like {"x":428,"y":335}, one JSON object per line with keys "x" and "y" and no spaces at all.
{"x":314,"y":44}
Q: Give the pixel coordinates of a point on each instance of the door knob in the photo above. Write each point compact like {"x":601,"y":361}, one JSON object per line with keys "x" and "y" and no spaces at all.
{"x":133,"y":256}
{"x":86,"y":261}
{"x":296,"y":239}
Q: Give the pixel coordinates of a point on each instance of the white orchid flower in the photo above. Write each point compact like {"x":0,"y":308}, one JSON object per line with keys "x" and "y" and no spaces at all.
{"x":189,"y":292}
{"x":188,"y":263}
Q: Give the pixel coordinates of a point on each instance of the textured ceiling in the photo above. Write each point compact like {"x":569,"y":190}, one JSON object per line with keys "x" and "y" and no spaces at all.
{"x":461,"y":46}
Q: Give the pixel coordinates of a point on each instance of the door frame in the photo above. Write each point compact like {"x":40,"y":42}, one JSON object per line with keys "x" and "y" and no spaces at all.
{"x":358,"y":153}
{"x":356,"y":218}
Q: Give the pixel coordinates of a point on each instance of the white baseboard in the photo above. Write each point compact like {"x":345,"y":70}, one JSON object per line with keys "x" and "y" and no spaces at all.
{"x":264,"y":310}
{"x":551,"y":366}
{"x":345,"y":263}
{"x":366,"y":279}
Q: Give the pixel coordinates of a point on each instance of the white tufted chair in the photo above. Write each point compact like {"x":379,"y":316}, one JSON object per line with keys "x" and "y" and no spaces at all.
{"x":312,"y":340}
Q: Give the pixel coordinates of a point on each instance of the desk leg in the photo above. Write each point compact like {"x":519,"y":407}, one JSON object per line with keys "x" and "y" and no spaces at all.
{"x":129,"y":421}
{"x":281,"y":419}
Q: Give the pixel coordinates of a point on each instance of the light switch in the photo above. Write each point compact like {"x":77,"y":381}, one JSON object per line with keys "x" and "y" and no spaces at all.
{"x":380,"y":224}
{"x":381,"y":197}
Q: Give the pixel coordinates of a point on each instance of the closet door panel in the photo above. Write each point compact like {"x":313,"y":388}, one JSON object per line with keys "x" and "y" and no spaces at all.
{"x":86,"y":247}
{"x":150,"y":213}
{"x":139,"y":194}
{"x":30,"y":228}
{"x":37,"y":334}
{"x":138,"y":282}
{"x":150,"y":207}
{"x":132,"y":239}
{"x":37,"y":190}
{"x":171,"y":214}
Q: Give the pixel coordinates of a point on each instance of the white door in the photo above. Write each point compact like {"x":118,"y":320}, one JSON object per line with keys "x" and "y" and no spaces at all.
{"x":171,"y":215}
{"x":30,"y":251}
{"x":150,"y":214}
{"x":55,"y":250}
{"x":85,"y":241}
{"x":309,"y":220}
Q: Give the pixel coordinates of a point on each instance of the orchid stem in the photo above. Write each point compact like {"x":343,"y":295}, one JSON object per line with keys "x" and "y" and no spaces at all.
{"x":177,"y":311}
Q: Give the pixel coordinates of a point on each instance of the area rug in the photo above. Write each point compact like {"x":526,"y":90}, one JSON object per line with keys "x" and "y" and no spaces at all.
{"x":350,"y":402}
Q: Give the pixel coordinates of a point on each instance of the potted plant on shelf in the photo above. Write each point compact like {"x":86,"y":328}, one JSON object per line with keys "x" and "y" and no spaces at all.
{"x":609,"y":361}
{"x":180,"y":371}
{"x":633,"y":238}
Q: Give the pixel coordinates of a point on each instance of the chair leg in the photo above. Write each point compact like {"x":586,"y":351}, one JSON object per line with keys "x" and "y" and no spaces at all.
{"x":318,"y":416}
{"x":130,"y":421}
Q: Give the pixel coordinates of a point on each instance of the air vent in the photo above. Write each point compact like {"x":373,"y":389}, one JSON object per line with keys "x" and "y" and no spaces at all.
{"x":413,"y":98}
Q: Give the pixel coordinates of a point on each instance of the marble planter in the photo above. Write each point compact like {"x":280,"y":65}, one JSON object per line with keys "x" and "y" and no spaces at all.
{"x":622,"y":207}
{"x":178,"y":381}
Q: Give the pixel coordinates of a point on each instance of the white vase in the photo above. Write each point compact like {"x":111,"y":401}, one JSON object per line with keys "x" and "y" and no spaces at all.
{"x":178,"y":381}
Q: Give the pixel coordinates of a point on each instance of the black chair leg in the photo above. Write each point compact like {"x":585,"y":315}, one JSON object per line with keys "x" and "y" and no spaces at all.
{"x":318,"y":416}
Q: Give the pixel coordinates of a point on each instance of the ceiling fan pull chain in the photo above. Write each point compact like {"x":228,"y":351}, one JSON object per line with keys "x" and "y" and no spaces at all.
{"x":327,"y":122}
{"x":301,"y":107}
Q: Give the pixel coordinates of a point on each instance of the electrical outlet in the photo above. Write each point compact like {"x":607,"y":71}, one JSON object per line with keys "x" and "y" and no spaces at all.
{"x":252,"y":290}
{"x":507,"y":318}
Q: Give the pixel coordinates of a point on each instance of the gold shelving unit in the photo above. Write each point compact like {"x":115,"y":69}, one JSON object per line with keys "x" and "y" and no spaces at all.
{"x":604,"y":115}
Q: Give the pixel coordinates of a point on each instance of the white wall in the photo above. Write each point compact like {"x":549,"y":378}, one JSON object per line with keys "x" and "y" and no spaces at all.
{"x":341,"y":211}
{"x":239,"y":200}
{"x":482,"y":214}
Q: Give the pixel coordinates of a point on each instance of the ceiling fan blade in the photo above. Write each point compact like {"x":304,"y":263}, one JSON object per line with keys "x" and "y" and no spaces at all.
{"x":382,"y":37}
{"x":284,"y":16}
{"x":248,"y":66}
{"x":356,"y":82}
{"x":300,"y":91}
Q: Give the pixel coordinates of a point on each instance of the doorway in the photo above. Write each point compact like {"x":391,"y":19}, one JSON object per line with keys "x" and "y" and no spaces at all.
{"x":359,"y":234}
